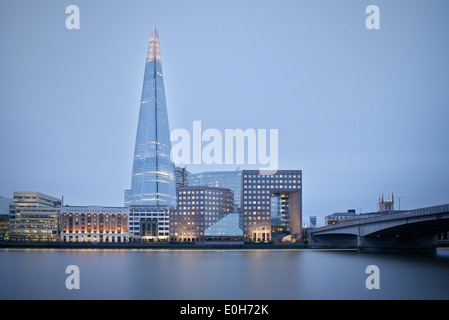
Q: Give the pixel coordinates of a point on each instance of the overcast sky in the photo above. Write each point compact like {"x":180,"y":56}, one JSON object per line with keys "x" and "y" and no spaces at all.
{"x":359,"y":111}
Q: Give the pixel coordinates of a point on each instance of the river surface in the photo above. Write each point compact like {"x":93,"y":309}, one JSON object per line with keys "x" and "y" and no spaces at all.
{"x":221,"y":274}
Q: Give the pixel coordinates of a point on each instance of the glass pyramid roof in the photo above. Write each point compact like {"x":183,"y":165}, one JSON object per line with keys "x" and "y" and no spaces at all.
{"x":229,"y":226}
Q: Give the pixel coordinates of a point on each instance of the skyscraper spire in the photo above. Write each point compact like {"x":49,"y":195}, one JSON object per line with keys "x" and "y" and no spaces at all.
{"x":154,"y":50}
{"x":153,"y":178}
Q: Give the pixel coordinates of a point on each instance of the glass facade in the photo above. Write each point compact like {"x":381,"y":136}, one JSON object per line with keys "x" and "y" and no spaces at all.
{"x":219,"y":179}
{"x":34,"y":216}
{"x":4,"y":205}
{"x":229,"y":226}
{"x":280,"y":213}
{"x":153,"y":178}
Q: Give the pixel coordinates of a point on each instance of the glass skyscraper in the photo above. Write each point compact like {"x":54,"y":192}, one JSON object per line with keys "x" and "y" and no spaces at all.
{"x":219,"y":179}
{"x":153,"y":178}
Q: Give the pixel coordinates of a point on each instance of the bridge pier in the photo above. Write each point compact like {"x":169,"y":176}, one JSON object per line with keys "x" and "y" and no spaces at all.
{"x":397,"y":244}
{"x":333,"y":242}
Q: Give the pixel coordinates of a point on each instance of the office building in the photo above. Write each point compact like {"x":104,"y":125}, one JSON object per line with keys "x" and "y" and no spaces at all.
{"x":153,"y":178}
{"x":94,"y":224}
{"x":340,"y":217}
{"x":271,"y":204}
{"x":312,"y":221}
{"x":4,"y":205}
{"x":199,"y":208}
{"x":34,"y":216}
{"x":181,"y":176}
{"x":128,"y":199}
{"x":149,"y":223}
{"x":4,"y":217}
{"x":220,"y":179}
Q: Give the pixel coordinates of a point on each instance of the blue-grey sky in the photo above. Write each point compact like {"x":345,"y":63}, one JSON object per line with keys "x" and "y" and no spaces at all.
{"x":359,"y":111}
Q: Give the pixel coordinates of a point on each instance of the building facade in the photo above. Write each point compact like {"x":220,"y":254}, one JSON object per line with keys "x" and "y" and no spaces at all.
{"x":153,"y":178}
{"x":94,"y":224}
{"x":181,"y":177}
{"x":199,"y":208}
{"x":220,"y":179}
{"x":338,"y":217}
{"x":386,"y":204}
{"x":4,"y":217}
{"x":149,"y":223}
{"x":34,"y":217}
{"x":263,"y":212}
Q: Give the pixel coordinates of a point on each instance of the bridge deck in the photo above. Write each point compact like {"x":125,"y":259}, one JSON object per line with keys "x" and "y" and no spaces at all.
{"x":440,"y":209}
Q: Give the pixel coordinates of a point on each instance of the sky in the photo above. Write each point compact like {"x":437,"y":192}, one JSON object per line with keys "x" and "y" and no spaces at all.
{"x":359,"y":111}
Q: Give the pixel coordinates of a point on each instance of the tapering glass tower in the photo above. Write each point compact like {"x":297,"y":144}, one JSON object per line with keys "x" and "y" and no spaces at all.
{"x":153,"y":179}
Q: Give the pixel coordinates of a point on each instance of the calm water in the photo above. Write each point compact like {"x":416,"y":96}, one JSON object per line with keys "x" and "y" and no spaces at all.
{"x":222,"y":275}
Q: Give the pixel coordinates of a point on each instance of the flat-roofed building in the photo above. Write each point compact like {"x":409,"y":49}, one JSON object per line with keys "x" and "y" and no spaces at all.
{"x":271,"y":203}
{"x":4,"y":217}
{"x":34,"y":216}
{"x":94,"y":224}
{"x":198,"y":208}
{"x":150,"y":223}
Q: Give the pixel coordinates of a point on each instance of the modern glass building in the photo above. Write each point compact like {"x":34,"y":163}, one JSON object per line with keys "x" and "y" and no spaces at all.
{"x":153,"y":178}
{"x":34,"y":216}
{"x":219,"y":179}
{"x":181,"y":175}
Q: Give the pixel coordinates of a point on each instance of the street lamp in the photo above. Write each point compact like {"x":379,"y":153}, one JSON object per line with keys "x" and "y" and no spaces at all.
{"x":400,"y":201}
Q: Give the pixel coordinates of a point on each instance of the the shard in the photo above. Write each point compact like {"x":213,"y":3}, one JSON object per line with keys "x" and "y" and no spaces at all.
{"x":153,"y":178}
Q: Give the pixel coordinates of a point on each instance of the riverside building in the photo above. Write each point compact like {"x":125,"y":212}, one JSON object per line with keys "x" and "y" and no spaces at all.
{"x":34,"y":217}
{"x":150,"y":223}
{"x":271,"y":204}
{"x":199,"y":208}
{"x":94,"y":224}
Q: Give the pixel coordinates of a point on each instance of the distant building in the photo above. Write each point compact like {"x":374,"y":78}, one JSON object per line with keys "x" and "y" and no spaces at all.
{"x":199,"y":208}
{"x":271,"y":204}
{"x":150,"y":223}
{"x":312,"y":221}
{"x":220,"y":179}
{"x":181,"y":176}
{"x":4,"y":217}
{"x":128,"y":198}
{"x":386,"y":204}
{"x":94,"y":224}
{"x":34,"y":216}
{"x":4,"y":205}
{"x":339,"y":217}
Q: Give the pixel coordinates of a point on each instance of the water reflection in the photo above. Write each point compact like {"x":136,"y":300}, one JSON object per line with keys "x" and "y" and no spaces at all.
{"x":223,"y":275}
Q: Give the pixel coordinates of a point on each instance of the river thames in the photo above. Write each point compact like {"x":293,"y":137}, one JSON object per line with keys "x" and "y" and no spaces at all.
{"x":221,"y":274}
